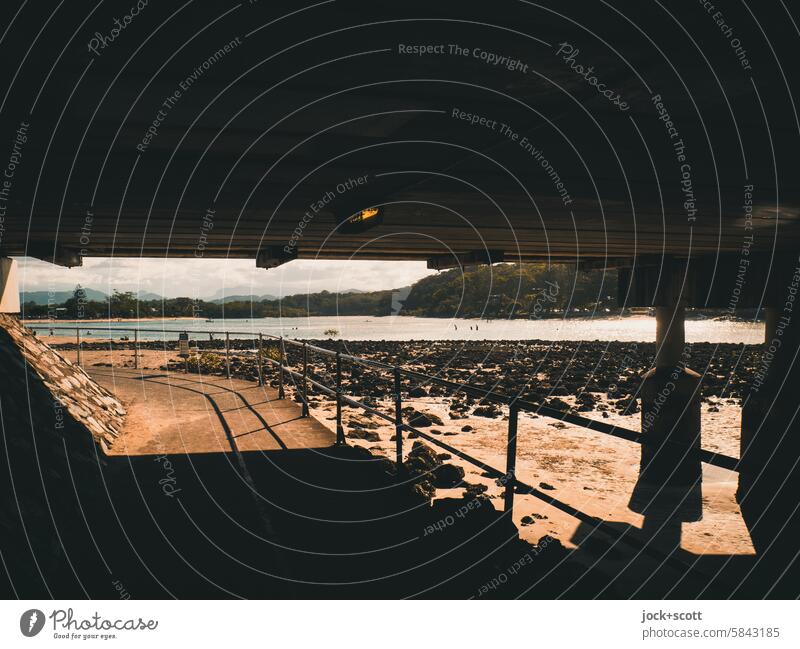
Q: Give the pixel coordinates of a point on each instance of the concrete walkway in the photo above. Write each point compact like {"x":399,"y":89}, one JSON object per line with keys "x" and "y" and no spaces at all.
{"x":173,"y":413}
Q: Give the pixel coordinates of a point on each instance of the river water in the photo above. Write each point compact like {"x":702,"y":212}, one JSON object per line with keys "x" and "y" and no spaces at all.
{"x":625,"y":329}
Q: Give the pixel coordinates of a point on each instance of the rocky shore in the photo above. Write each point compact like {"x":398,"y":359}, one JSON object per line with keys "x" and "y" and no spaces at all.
{"x":597,"y":375}
{"x":594,"y":472}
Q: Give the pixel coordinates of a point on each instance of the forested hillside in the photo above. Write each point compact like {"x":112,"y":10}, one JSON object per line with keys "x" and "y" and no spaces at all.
{"x":503,"y":290}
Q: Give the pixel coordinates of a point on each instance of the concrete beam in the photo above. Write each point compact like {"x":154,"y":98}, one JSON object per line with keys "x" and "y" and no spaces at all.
{"x":9,"y":286}
{"x":274,"y":256}
{"x":472,"y":258}
{"x":59,"y":256}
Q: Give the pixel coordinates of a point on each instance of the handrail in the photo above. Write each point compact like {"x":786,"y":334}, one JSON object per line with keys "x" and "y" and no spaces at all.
{"x":706,"y":456}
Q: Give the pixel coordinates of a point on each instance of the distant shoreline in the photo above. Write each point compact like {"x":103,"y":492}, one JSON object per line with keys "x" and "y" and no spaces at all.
{"x":55,"y":323}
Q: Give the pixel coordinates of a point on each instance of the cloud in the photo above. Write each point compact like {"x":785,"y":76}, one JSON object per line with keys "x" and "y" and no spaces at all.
{"x":211,"y":277}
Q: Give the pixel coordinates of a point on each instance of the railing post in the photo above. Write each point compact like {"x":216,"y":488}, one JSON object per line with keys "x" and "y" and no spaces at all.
{"x":398,"y":419}
{"x":511,"y":458}
{"x":260,"y":366}
{"x":136,"y":349}
{"x":339,"y":427}
{"x":78,"y":338}
{"x":305,"y":380}
{"x":282,"y":360}
{"x":228,"y":354}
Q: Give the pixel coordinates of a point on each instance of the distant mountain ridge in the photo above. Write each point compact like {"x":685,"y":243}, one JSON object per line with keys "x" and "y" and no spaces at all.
{"x":59,"y":297}
{"x":243,"y":298}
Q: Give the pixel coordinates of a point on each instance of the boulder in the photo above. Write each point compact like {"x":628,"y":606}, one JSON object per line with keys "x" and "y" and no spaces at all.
{"x":448,"y":475}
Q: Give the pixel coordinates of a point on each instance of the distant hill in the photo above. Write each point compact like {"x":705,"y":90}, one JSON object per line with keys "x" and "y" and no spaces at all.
{"x":58,"y":297}
{"x":243,"y":298}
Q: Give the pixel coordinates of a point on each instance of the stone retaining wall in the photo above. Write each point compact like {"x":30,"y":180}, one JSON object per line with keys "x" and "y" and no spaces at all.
{"x":91,"y":405}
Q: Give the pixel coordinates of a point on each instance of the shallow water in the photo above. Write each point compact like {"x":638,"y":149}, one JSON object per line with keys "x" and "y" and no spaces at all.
{"x":627,"y":329}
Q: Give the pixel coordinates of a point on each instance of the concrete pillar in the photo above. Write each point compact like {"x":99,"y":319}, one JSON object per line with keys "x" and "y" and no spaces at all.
{"x":771,"y":315}
{"x":9,"y":286}
{"x":769,"y":476}
{"x":670,"y":406}
{"x":668,"y":489}
{"x":770,"y":407}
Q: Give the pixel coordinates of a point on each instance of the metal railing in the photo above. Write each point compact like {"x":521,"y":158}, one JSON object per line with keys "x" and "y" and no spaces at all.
{"x":508,"y":479}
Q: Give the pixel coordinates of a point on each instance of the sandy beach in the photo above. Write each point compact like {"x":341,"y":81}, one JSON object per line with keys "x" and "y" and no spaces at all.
{"x":590,"y":471}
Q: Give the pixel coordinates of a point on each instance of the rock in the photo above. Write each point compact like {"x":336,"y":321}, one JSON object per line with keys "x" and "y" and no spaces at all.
{"x":448,"y":475}
{"x":472,"y":490}
{"x":545,"y":486}
{"x":558,"y":404}
{"x":526,"y":520}
{"x":361,"y":433}
{"x":467,"y":429}
{"x":490,"y":411}
{"x":363,"y":423}
{"x":420,"y":419}
{"x":417,"y":393}
{"x":421,"y":457}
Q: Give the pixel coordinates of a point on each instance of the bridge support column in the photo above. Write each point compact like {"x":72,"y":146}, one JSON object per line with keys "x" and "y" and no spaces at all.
{"x":9,"y":287}
{"x":770,"y":442}
{"x":668,"y":489}
{"x":670,"y":407}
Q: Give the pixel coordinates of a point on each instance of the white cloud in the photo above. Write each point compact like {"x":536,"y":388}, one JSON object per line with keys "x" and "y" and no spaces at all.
{"x":210,"y":277}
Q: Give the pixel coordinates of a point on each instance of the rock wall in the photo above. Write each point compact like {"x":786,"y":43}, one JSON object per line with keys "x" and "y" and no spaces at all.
{"x":22,"y":354}
{"x":57,"y":533}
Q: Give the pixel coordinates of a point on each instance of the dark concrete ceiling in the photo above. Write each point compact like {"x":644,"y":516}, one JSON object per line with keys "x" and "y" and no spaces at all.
{"x":304,"y":100}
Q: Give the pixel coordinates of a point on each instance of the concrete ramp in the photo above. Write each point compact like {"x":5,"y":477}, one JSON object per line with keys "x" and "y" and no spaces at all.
{"x":172,"y":412}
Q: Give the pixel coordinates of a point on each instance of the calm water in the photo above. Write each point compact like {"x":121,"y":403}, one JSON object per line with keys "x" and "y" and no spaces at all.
{"x":629,"y":329}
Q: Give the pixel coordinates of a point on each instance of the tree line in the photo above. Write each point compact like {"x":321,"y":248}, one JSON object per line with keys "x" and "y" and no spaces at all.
{"x":499,"y":291}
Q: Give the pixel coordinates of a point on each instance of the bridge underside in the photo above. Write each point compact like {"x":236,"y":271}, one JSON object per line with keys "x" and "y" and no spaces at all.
{"x":662,"y":140}
{"x":237,"y":131}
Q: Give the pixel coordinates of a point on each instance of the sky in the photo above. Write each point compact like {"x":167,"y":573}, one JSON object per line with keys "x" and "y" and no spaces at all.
{"x":213,"y":278}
